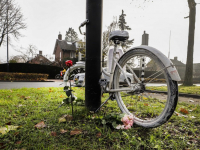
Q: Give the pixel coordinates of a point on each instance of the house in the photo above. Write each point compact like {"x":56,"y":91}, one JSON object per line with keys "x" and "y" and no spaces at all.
{"x":64,"y":49}
{"x":179,"y":66}
{"x":40,"y":59}
{"x":196,"y":70}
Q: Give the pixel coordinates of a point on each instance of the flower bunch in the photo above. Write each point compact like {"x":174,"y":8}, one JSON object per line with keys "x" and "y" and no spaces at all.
{"x":68,"y":63}
{"x":127,"y":121}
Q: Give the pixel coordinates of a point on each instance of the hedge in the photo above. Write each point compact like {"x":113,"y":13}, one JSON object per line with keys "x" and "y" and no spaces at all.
{"x":9,"y":76}
{"x":31,"y":68}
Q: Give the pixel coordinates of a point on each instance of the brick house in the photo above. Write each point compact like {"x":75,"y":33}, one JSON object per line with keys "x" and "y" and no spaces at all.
{"x":40,"y":59}
{"x":64,"y":49}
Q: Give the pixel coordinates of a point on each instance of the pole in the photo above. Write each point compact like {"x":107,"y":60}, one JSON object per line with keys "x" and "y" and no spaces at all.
{"x":7,"y":40}
{"x":169,"y":43}
{"x":93,"y":54}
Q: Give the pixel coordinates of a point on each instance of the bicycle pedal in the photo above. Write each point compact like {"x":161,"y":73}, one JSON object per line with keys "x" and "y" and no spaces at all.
{"x":103,"y":82}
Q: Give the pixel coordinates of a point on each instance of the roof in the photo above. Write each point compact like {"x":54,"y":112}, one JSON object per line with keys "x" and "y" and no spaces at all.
{"x":177,"y":62}
{"x":64,"y":45}
{"x":43,"y":61}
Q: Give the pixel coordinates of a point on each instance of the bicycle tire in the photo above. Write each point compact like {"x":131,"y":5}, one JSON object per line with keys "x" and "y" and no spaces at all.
{"x":72,"y":71}
{"x":149,"y":110}
{"x":57,"y":76}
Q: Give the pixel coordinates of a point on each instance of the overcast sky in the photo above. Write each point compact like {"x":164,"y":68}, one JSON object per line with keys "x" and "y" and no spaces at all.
{"x":46,"y":18}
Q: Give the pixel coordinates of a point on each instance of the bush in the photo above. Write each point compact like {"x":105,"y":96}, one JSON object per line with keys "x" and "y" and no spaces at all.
{"x":9,"y":76}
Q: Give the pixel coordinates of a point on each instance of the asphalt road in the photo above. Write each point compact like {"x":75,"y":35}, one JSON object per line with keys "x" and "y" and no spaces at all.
{"x":12,"y":85}
{"x":51,"y":83}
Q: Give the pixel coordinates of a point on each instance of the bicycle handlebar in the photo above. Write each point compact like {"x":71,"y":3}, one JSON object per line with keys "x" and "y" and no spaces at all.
{"x":83,"y":24}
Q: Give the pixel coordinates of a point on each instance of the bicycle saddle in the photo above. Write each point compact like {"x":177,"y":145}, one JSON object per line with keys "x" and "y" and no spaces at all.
{"x":118,"y":35}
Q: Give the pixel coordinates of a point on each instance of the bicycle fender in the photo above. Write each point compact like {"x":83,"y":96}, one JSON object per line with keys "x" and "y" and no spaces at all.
{"x":167,"y":62}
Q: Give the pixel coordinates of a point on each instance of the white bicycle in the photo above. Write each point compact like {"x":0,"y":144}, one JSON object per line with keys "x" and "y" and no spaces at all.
{"x":134,"y":68}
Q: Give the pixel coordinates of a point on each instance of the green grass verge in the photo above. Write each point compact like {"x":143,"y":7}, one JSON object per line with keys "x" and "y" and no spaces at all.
{"x":26,"y":107}
{"x":182,"y":89}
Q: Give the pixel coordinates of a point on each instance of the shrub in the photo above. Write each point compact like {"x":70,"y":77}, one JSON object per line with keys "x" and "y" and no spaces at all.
{"x":9,"y":76}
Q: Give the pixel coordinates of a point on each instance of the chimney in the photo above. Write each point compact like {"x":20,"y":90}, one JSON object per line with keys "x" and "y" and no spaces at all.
{"x":175,"y":58}
{"x":60,"y":36}
{"x":145,"y":39}
{"x":40,"y":52}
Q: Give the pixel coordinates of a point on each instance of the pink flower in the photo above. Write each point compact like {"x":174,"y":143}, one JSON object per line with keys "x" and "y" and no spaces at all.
{"x":127,"y":121}
{"x":127,"y":127}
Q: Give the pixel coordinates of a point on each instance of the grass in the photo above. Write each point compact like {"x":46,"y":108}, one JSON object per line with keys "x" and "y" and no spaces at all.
{"x":27,"y":107}
{"x":182,"y":89}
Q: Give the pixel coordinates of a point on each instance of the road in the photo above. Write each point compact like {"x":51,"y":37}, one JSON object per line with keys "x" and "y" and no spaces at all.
{"x":51,"y":83}
{"x":12,"y":85}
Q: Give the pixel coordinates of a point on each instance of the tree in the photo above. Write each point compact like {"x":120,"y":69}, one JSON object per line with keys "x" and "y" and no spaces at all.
{"x":106,"y":43}
{"x":122,"y":26}
{"x":122,"y":22}
{"x":71,"y":35}
{"x":114,"y":25}
{"x":26,"y":53}
{"x":188,"y":81}
{"x":11,"y":20}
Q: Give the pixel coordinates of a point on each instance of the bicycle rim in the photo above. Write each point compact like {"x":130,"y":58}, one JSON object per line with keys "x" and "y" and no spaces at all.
{"x":156,"y":97}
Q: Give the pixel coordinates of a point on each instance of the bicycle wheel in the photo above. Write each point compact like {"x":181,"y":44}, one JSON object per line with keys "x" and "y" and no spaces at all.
{"x":72,"y":71}
{"x":150,"y":108}
{"x":57,"y":76}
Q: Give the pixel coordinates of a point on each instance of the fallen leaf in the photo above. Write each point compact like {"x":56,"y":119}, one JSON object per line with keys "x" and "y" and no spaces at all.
{"x":145,"y":104}
{"x":22,"y":97}
{"x":62,"y":119}
{"x":98,"y":134}
{"x":27,"y":97}
{"x":18,"y":142}
{"x":68,"y":117}
{"x":16,"y":133}
{"x":75,"y":132}
{"x":53,"y":133}
{"x":8,"y":123}
{"x":40,"y":125}
{"x":4,"y":130}
{"x":61,"y":96}
{"x":184,"y":111}
{"x":63,"y":131}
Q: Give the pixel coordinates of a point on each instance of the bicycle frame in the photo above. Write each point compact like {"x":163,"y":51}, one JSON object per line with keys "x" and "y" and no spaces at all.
{"x":131,"y":87}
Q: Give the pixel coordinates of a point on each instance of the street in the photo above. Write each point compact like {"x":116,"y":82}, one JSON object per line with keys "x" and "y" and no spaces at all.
{"x":51,"y":83}
{"x":11,"y":85}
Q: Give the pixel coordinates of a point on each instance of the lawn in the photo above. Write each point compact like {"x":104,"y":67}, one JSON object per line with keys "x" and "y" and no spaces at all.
{"x":182,"y":89}
{"x":39,"y":124}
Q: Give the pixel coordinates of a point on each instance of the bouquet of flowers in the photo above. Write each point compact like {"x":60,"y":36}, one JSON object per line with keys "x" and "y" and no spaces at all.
{"x":118,"y":121}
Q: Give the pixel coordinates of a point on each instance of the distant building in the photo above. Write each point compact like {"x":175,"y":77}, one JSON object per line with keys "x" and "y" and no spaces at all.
{"x":179,"y":66}
{"x":196,"y":70}
{"x":40,"y":59}
{"x":64,"y":49}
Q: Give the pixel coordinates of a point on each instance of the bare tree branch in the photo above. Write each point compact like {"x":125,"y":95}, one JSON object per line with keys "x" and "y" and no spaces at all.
{"x":14,"y":23}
